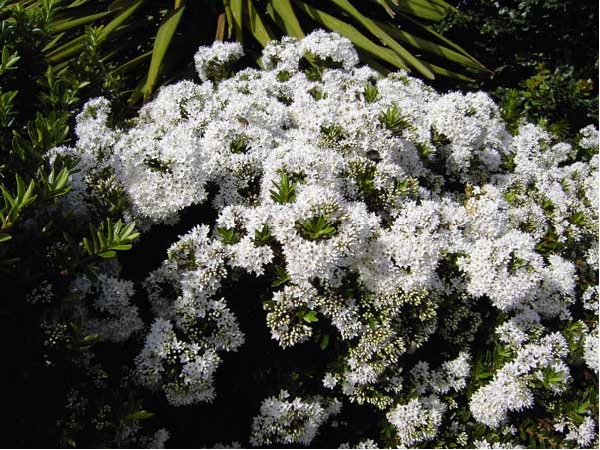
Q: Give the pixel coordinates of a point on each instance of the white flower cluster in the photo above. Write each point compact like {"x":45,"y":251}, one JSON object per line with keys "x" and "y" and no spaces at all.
{"x":192,"y":326}
{"x":287,"y":421}
{"x":418,"y":420}
{"x":209,"y":60}
{"x":105,"y":308}
{"x":452,"y":375}
{"x":584,"y":434}
{"x":510,"y":389}
{"x":183,"y":370}
{"x":374,"y":203}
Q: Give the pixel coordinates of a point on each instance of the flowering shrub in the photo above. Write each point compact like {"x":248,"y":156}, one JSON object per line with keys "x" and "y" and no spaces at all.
{"x":446,"y":270}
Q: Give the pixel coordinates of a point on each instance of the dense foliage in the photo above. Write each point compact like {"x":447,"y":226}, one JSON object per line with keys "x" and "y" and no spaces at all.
{"x":426,"y":277}
{"x":542,"y":54}
{"x":41,"y":241}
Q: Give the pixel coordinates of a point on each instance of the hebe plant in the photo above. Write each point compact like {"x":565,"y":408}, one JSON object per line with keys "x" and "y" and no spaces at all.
{"x":424,"y":276}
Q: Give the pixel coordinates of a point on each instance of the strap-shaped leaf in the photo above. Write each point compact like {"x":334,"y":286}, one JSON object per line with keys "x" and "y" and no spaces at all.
{"x":385,"y":5}
{"x":75,"y":46}
{"x":229,"y":18}
{"x":282,"y":13}
{"x":66,"y":50}
{"x":429,"y":47}
{"x":68,"y":24}
{"x":448,"y":73}
{"x":360,"y":40}
{"x":433,"y":10}
{"x":237,"y":12}
{"x":52,"y":43}
{"x":445,"y":40}
{"x":258,"y":29}
{"x":220,"y":33}
{"x":121,"y":4}
{"x":25,"y":197}
{"x":161,"y":44}
{"x":125,"y":67}
{"x":118,"y":21}
{"x":385,"y":38}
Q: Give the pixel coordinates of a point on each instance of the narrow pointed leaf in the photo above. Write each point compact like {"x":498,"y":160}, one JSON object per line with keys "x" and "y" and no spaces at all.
{"x":257,"y":27}
{"x":385,"y":38}
{"x":387,"y":8}
{"x":28,"y":196}
{"x":121,"y":4}
{"x":424,"y":9}
{"x":229,"y":18}
{"x":139,"y":415}
{"x":118,"y":21}
{"x":132,"y":63}
{"x":122,"y":247}
{"x":55,"y":40}
{"x":161,"y":44}
{"x":67,"y":50}
{"x":8,"y":198}
{"x":448,"y":73}
{"x":282,"y":13}
{"x":445,"y":40}
{"x":428,"y":46}
{"x":237,"y":11}
{"x":65,"y":25}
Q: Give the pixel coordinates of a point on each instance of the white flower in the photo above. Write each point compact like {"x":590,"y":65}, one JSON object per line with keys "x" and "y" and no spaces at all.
{"x":590,"y":350}
{"x":330,"y":46}
{"x":417,"y":421}
{"x":287,"y":421}
{"x":211,"y":60}
{"x":584,"y":434}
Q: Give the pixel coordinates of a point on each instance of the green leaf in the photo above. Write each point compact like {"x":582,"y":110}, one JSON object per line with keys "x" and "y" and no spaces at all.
{"x":282,"y":276}
{"x":161,"y":44}
{"x":324,"y":342}
{"x":108,"y":254}
{"x":236,"y":7}
{"x":310,"y":317}
{"x":138,"y":60}
{"x":282,"y":13}
{"x":90,"y":338}
{"x":256,"y":25}
{"x":67,"y":24}
{"x":285,"y":191}
{"x":118,"y":21}
{"x":262,"y":236}
{"x":121,"y":247}
{"x":385,"y":38}
{"x":429,"y":46}
{"x":5,"y":237}
{"x":443,"y":39}
{"x":139,"y":415}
